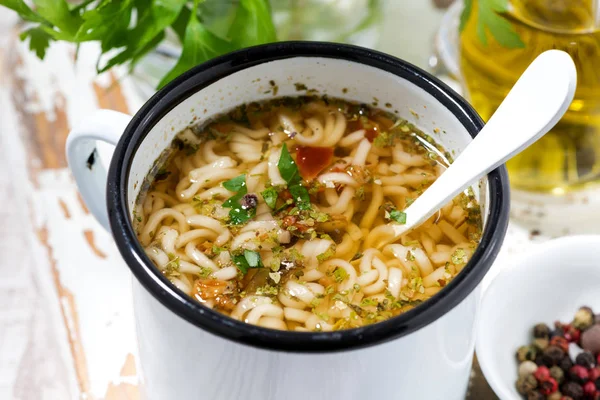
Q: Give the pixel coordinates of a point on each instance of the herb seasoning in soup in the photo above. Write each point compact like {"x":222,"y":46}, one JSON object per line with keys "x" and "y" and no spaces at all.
{"x":275,"y":213}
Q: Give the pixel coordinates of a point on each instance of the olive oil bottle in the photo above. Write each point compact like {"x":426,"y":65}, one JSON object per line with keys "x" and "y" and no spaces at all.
{"x":497,"y":45}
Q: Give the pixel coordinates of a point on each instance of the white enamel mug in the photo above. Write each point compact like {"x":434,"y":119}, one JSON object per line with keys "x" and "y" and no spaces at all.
{"x":188,"y":351}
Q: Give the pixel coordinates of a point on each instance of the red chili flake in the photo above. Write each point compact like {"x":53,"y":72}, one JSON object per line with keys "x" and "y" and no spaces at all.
{"x":312,"y":160}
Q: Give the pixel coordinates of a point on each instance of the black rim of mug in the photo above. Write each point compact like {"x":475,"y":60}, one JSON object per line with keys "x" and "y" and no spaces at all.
{"x":212,"y":321}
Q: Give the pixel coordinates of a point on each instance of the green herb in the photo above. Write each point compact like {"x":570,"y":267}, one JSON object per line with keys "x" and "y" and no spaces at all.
{"x":340,"y":275}
{"x":300,"y":86}
{"x":287,"y":167}
{"x":458,"y":257}
{"x":205,"y":272}
{"x":238,"y":214}
{"x":236,"y":184}
{"x":267,"y":290}
{"x":384,"y":139}
{"x":398,"y":216}
{"x":248,"y":259}
{"x":367,"y":302}
{"x":290,"y":173}
{"x":129,"y":29}
{"x":171,"y":269}
{"x":326,"y":255}
{"x":360,"y":193}
{"x":489,"y":19}
{"x":217,"y":250}
{"x":300,"y":196}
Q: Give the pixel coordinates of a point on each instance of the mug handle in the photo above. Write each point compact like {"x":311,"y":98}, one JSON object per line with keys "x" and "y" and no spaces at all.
{"x":82,"y":156}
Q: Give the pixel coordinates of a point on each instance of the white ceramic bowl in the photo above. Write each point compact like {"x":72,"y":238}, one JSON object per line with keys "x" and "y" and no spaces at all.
{"x":550,"y":283}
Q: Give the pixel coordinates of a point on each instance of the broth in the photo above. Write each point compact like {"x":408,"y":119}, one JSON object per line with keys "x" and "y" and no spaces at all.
{"x":275,"y":215}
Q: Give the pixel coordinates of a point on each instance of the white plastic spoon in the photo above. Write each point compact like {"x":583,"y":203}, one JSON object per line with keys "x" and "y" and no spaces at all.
{"x":534,"y":105}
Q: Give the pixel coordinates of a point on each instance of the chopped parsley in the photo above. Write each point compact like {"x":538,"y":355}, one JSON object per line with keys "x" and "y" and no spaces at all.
{"x":458,"y":257}
{"x":270,"y":196}
{"x":367,"y":302}
{"x":330,"y":252}
{"x":340,"y":275}
{"x":171,"y":269}
{"x":398,"y":216}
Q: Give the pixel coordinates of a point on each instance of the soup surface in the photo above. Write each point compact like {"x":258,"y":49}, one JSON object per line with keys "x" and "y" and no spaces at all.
{"x":279,"y":214}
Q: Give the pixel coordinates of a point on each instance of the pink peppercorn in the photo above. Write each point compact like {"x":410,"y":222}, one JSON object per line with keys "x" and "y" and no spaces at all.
{"x":542,"y":373}
{"x":589,"y":390}
{"x":549,"y":386}
{"x":579,"y":374}
{"x":594,"y":374}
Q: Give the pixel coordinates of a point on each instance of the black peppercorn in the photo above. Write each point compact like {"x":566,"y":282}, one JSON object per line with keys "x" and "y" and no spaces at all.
{"x":585,"y":359}
{"x":535,"y":395}
{"x":249,"y":201}
{"x":526,"y":384}
{"x":584,"y":318}
{"x":557,"y":373}
{"x":541,"y":331}
{"x":565,"y":364}
{"x":573,"y":390}
{"x":552,"y":356}
{"x":559,"y":331}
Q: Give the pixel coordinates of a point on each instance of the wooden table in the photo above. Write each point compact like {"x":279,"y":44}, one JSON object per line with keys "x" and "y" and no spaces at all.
{"x":66,"y":321}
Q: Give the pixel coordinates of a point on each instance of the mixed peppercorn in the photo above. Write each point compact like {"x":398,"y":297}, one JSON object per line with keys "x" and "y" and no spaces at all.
{"x":547,"y":368}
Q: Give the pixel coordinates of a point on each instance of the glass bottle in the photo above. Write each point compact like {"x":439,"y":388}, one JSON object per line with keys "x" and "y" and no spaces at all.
{"x":498,"y":40}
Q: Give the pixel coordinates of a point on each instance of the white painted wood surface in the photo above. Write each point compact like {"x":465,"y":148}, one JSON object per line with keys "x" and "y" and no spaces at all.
{"x":66,"y":322}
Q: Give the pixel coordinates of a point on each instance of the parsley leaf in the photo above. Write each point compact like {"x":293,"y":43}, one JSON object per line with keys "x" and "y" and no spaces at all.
{"x":249,"y":259}
{"x":238,"y":214}
{"x":489,"y":19}
{"x":23,"y":10}
{"x":129,"y":29}
{"x":39,"y":40}
{"x":290,"y":173}
{"x":253,"y":258}
{"x":287,"y":167}
{"x":236,"y":184}
{"x":199,"y":45}
{"x":301,"y":197}
{"x":252,"y":24}
{"x":57,"y":12}
{"x":270,"y":196}
{"x":398,"y":216}
{"x":241,"y":263}
{"x":153,"y":17}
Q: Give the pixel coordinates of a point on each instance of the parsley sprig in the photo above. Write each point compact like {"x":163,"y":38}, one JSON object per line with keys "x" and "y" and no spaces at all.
{"x":490,"y":19}
{"x":129,"y":29}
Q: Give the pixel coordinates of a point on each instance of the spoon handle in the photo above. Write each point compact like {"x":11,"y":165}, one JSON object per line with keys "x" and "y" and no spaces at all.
{"x":533,"y":106}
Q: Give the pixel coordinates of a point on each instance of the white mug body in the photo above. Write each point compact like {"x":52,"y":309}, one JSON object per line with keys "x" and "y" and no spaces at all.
{"x":189,"y":351}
